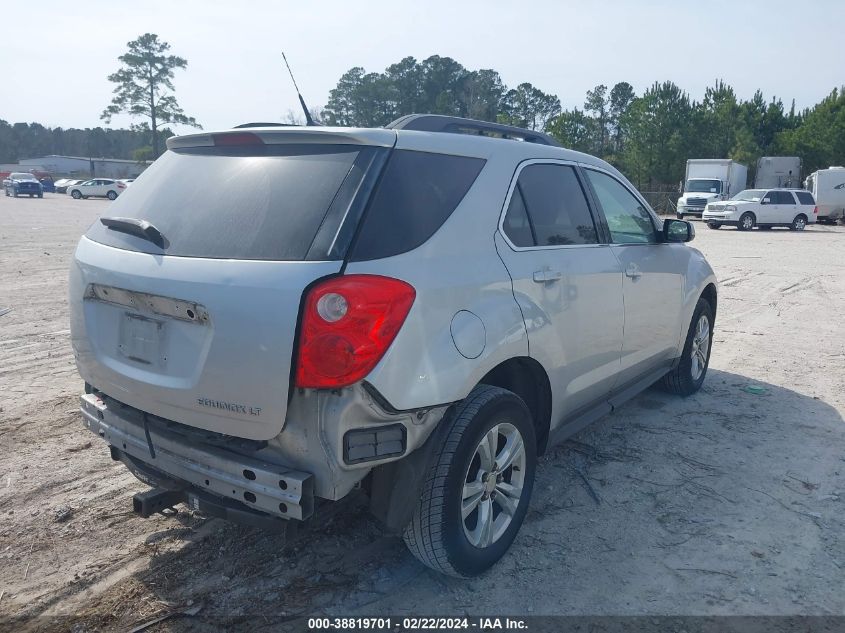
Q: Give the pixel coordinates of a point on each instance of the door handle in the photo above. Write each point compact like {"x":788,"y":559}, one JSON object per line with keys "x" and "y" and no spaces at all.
{"x":547,"y":275}
{"x":633,"y":271}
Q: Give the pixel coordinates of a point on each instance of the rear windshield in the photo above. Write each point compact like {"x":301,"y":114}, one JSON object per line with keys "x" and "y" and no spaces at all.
{"x":253,"y":202}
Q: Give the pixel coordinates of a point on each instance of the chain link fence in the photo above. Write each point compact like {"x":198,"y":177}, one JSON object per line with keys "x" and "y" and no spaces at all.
{"x":664,"y":200}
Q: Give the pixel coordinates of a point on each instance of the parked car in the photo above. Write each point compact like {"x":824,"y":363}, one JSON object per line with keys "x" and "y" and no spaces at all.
{"x":63,"y":183}
{"x":764,"y":208}
{"x":97,"y":187}
{"x":23,"y":184}
{"x":413,"y":312}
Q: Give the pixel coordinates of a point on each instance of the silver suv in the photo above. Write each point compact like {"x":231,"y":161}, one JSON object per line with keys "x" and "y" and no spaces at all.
{"x":414,"y":312}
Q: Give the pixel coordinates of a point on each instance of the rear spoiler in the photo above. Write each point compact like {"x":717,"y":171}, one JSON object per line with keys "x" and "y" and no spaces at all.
{"x":278,"y":135}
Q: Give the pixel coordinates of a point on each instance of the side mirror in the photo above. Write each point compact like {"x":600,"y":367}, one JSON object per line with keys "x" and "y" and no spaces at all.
{"x":678,"y":231}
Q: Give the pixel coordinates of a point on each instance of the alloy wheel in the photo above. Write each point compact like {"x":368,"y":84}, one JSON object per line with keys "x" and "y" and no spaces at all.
{"x":700,"y":347}
{"x":493,"y":485}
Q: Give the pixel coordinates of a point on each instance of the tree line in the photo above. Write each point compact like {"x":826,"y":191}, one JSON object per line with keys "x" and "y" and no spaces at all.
{"x":649,"y":136}
{"x":33,"y":140}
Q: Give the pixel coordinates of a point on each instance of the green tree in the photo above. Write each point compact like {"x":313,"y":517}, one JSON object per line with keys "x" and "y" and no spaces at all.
{"x":621,"y":96}
{"x":528,"y":107}
{"x":480,"y":94}
{"x":658,"y":125}
{"x":820,"y":137}
{"x":145,"y":86}
{"x":573,"y":129}
{"x":597,"y":104}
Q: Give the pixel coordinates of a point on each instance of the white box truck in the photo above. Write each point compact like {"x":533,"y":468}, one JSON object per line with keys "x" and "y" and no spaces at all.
{"x":778,"y":172}
{"x":828,"y":188}
{"x":708,"y":180}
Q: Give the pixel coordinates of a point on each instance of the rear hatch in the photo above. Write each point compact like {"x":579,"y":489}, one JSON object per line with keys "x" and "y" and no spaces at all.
{"x":185,"y":297}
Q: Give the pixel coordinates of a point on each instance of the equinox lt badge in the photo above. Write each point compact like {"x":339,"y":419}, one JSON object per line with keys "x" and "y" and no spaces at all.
{"x":229,"y":406}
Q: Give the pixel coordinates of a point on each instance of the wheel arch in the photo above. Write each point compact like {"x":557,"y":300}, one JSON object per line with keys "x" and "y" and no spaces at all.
{"x":526,"y":377}
{"x":711,"y":295}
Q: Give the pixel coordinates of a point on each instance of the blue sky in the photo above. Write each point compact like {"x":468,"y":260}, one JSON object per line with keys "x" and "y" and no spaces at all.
{"x":235,"y":72}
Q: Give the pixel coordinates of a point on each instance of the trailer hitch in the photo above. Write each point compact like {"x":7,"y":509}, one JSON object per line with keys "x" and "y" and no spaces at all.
{"x":153,"y":501}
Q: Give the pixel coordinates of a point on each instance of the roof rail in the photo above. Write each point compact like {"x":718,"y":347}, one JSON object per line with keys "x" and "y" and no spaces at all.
{"x":458,"y":125}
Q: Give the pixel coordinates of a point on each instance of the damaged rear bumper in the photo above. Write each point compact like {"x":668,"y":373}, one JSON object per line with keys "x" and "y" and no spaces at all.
{"x":199,"y":474}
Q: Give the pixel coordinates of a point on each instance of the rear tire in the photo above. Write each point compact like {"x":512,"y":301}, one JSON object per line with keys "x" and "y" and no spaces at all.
{"x":465,"y":484}
{"x":746,"y":222}
{"x":688,"y":376}
{"x":111,"y":195}
{"x":714,"y":225}
{"x":799,"y":223}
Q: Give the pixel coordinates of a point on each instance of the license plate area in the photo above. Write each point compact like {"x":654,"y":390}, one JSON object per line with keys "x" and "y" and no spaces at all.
{"x":141,"y":339}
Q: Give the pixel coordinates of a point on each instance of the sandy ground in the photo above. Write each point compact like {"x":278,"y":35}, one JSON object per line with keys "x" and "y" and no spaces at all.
{"x":728,"y":502}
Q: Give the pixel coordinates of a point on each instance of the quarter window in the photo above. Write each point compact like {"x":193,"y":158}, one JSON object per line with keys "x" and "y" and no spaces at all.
{"x":805,"y":197}
{"x":548,"y":208}
{"x":517,"y":225}
{"x":627,"y":218}
{"x":417,"y":194}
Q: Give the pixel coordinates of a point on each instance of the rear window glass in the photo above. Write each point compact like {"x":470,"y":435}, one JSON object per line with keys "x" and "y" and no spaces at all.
{"x":416,"y":194}
{"x":805,"y":197}
{"x":231,"y":203}
{"x":782,"y":197}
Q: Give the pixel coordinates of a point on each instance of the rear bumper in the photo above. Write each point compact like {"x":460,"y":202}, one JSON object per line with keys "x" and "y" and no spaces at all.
{"x":203,"y":474}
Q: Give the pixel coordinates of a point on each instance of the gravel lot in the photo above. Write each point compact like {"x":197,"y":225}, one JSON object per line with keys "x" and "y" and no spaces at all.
{"x":728,"y":502}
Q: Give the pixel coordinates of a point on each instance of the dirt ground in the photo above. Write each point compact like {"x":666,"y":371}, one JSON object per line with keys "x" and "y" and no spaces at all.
{"x":728,"y":502}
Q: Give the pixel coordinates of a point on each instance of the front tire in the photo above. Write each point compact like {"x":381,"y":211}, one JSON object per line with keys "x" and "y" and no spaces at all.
{"x":477,"y":489}
{"x":688,"y":376}
{"x":76,"y":194}
{"x":746,"y":222}
{"x":799,"y":223}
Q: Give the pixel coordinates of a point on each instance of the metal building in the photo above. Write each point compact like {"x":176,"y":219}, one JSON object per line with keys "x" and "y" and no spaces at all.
{"x":85,"y":167}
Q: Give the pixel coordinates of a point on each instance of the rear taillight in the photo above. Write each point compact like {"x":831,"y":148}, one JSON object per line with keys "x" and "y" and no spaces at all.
{"x":347,"y":325}
{"x":815,"y":210}
{"x":121,"y":185}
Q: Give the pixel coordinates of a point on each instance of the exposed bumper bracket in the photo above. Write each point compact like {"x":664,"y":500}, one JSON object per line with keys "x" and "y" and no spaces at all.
{"x":240,"y":483}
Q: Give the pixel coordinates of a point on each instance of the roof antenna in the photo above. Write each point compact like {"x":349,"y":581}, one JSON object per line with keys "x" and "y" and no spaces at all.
{"x":308,"y":120}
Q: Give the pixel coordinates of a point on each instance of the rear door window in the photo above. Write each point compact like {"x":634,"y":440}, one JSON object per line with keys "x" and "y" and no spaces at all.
{"x":805,"y":197}
{"x":555,"y":208}
{"x":782,"y":197}
{"x":252,"y":202}
{"x":416,"y":194}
